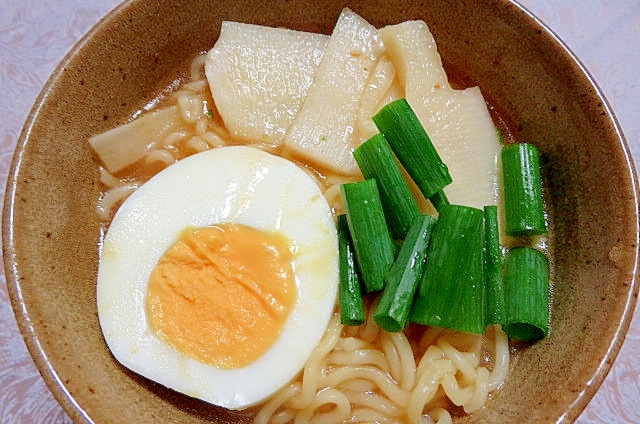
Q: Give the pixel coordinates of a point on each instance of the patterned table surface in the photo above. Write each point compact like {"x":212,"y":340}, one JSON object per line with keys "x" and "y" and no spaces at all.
{"x":35,"y":35}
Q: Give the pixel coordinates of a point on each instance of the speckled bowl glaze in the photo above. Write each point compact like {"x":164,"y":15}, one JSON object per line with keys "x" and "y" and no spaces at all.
{"x":51,"y":230}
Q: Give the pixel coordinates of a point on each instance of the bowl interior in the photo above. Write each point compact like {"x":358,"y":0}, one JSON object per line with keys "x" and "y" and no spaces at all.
{"x":52,"y":231}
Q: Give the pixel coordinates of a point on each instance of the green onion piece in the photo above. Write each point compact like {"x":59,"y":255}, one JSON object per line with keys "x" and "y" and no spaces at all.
{"x":402,"y":279}
{"x":451,"y":292}
{"x":409,"y":141}
{"x":375,"y":159}
{"x":526,"y":294}
{"x":523,"y":206}
{"x":439,"y":200}
{"x":493,"y":262}
{"x":374,"y":247}
{"x":349,"y":290}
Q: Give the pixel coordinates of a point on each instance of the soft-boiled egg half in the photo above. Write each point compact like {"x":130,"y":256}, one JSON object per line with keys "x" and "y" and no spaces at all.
{"x":218,"y":276}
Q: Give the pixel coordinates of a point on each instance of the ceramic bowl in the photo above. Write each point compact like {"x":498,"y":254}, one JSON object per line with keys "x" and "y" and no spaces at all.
{"x":51,"y":230}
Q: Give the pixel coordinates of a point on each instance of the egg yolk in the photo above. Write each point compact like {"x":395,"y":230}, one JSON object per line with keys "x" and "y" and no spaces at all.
{"x":221,"y":294}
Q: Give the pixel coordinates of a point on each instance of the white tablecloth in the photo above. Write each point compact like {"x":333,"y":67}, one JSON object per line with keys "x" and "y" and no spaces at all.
{"x":35,"y":35}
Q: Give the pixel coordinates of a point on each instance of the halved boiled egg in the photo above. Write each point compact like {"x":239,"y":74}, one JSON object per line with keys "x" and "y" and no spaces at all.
{"x":218,"y":276}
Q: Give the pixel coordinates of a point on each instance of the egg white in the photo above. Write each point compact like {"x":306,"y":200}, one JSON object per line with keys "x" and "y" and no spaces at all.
{"x":229,"y":184}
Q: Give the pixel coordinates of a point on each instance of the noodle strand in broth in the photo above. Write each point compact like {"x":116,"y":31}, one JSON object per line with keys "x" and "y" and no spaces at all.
{"x":361,"y":369}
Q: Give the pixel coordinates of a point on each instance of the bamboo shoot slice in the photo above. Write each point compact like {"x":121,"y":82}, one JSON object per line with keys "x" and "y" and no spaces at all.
{"x":323,"y":131}
{"x":457,"y":121}
{"x":259,"y":77}
{"x":126,"y":144}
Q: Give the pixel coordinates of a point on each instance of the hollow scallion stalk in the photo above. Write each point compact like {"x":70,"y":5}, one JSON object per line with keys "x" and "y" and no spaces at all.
{"x":374,"y":247}
{"x":401,"y":281}
{"x":526,"y":294}
{"x":451,"y":292}
{"x":493,"y":262}
{"x":412,"y":146}
{"x":376,"y":160}
{"x":439,"y":200}
{"x":349,"y":290}
{"x":523,"y":206}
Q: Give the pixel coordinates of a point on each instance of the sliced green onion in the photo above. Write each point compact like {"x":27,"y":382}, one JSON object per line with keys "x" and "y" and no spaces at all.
{"x":451,"y":291}
{"x":493,"y":261}
{"x":523,"y":206}
{"x":526,"y":294}
{"x":375,"y":159}
{"x":349,"y":290}
{"x":409,"y":141}
{"x":402,"y":279}
{"x":439,"y":200}
{"x":372,"y":241}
